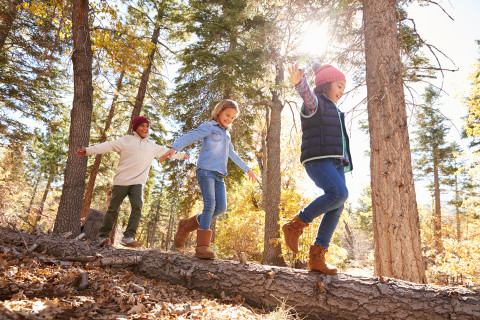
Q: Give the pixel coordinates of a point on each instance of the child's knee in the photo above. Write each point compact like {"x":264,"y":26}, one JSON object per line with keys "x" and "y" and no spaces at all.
{"x":339,"y":193}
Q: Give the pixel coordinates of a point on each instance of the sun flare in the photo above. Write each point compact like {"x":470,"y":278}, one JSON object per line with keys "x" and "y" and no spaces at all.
{"x":315,"y":39}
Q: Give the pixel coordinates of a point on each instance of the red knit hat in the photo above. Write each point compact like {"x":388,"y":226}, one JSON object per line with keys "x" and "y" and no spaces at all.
{"x":138,"y":121}
{"x":327,"y":73}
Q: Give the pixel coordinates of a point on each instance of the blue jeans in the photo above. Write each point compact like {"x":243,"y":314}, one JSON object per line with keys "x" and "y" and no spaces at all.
{"x":214,"y":196}
{"x":328,"y":175}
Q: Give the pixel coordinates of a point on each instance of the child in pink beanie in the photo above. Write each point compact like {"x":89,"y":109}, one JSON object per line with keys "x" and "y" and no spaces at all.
{"x":326,"y":157}
{"x":137,"y":152}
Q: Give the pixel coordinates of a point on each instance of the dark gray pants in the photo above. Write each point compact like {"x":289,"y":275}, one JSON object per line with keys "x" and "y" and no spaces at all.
{"x":134,"y":193}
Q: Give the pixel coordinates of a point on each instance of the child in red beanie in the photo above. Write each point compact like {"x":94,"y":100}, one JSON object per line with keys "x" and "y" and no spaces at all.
{"x":326,"y":157}
{"x":136,"y":155}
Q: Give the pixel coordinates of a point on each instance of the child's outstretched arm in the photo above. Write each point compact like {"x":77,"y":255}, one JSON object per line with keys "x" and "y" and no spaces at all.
{"x":81,"y":152}
{"x":167,"y":154}
{"x":164,"y":152}
{"x":251,"y":175}
{"x":297,"y":77}
{"x":295,"y":74}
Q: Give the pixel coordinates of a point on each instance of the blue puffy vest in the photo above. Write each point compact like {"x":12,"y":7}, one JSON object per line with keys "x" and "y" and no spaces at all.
{"x":324,"y":133}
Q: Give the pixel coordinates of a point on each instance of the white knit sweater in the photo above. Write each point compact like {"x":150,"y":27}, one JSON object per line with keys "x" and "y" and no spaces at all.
{"x":136,"y":156}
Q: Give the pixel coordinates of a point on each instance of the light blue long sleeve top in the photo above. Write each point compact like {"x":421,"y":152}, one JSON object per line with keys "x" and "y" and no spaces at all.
{"x":216,"y":147}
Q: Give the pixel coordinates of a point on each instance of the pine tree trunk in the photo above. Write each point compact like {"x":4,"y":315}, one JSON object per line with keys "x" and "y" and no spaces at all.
{"x":437,"y":219}
{"x":395,"y":215}
{"x":70,"y":207}
{"x":34,"y":193}
{"x":8,"y":14}
{"x":142,"y":88}
{"x":272,"y":253}
{"x":44,"y":197}
{"x":457,"y":211}
{"x":169,"y":230}
{"x":87,"y":200}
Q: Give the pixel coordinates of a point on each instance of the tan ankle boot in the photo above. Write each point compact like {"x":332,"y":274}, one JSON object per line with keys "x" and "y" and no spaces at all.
{"x":292,"y":231}
{"x":203,"y":244}
{"x":185,"y":226}
{"x":317,"y":261}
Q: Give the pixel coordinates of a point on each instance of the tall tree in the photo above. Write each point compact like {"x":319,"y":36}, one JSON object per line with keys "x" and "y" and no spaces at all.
{"x":433,"y":151}
{"x":395,"y":215}
{"x":69,"y":210}
{"x":32,"y":79}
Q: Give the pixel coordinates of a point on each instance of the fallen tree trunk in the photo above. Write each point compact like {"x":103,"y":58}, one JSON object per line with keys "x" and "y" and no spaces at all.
{"x":311,"y":294}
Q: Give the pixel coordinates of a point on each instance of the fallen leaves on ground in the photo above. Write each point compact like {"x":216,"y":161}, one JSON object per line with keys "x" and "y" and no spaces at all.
{"x":32,"y":288}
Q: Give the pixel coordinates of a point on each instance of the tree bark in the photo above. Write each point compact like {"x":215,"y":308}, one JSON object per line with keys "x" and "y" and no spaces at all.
{"x":272,"y":253}
{"x":8,"y":13}
{"x":311,"y":294}
{"x":87,"y":200}
{"x":142,"y":88}
{"x":395,"y":215}
{"x":69,"y":209}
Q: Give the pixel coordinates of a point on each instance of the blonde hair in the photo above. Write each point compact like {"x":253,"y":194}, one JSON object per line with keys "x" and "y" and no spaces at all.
{"x":222,"y":105}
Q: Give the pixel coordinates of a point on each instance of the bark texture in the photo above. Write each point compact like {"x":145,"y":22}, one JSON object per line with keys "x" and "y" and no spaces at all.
{"x":312,"y":294}
{"x":272,"y":253}
{"x":395,"y":215}
{"x":69,"y":209}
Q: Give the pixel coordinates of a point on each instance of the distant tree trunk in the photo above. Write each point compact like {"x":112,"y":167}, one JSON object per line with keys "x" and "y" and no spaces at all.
{"x":8,"y":13}
{"x":142,"y":89}
{"x":395,"y":215}
{"x":87,"y":200}
{"x":437,"y":218}
{"x":169,"y":230}
{"x":272,"y":253}
{"x":153,"y":233}
{"x":457,"y":211}
{"x":34,"y":193}
{"x":69,"y":209}
{"x":44,"y":197}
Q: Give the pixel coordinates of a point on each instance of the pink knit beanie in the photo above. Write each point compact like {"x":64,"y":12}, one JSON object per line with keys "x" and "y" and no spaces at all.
{"x":327,"y":73}
{"x":138,"y":121}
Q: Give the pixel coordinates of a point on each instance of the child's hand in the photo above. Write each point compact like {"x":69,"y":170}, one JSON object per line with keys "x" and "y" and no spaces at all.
{"x":251,"y":175}
{"x":81,"y":152}
{"x":167,"y":154}
{"x":295,"y":74}
{"x":185,"y":157}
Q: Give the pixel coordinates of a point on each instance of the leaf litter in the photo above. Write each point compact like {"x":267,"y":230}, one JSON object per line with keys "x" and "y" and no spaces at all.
{"x":33,"y":288}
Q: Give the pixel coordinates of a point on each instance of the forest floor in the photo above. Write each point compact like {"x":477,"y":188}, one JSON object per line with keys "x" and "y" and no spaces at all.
{"x":34,"y":286}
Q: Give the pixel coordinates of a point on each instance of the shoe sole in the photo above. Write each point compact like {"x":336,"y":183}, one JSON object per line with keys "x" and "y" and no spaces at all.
{"x":130,"y":245}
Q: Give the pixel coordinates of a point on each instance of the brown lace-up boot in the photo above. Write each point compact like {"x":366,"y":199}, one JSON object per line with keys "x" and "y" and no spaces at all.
{"x":316,"y":261}
{"x":185,"y":226}
{"x":292,"y":231}
{"x":203,"y":245}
